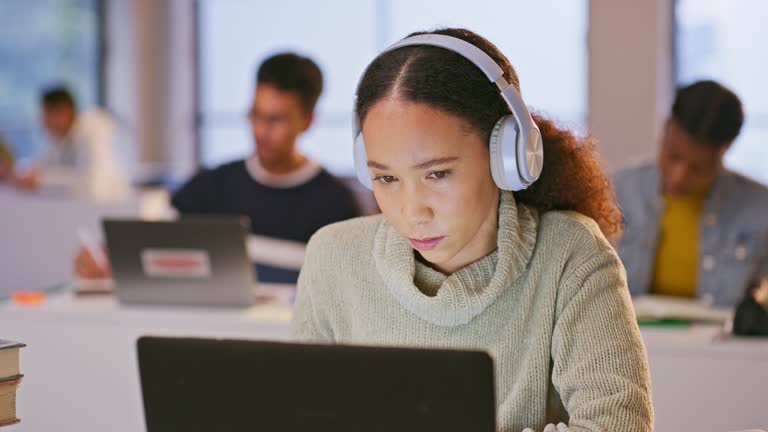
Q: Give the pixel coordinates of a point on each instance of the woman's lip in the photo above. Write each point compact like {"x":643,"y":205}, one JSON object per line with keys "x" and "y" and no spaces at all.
{"x":426,"y":243}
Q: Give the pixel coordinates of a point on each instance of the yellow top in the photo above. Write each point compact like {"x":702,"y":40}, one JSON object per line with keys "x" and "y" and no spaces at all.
{"x":677,"y":254}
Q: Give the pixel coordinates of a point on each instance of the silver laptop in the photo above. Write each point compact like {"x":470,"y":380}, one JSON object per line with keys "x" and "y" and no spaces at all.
{"x":192,"y":261}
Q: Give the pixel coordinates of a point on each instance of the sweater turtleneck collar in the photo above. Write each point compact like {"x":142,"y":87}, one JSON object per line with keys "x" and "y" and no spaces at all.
{"x":458,"y":298}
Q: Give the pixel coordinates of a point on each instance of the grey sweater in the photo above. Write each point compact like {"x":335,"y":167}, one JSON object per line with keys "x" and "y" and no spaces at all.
{"x":550,"y":304}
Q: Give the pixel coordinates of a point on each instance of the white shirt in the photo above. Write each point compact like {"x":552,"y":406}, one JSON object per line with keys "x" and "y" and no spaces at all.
{"x":297,"y":177}
{"x":86,"y":160}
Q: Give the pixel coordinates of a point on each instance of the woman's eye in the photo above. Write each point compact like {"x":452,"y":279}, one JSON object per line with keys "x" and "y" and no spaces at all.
{"x":385,"y":179}
{"x":438,"y":174}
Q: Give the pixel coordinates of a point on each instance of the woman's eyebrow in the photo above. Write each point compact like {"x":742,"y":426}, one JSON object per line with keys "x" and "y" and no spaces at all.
{"x":422,"y":165}
{"x":374,"y":164}
{"x":433,"y":162}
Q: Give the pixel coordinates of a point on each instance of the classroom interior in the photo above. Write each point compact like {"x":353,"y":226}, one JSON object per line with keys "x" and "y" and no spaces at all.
{"x":176,"y":83}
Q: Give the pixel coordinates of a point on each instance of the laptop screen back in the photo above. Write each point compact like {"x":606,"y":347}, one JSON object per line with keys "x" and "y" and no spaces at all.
{"x":192,"y":261}
{"x":205,"y":385}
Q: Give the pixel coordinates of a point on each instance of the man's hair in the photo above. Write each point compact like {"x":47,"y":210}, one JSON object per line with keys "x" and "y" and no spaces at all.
{"x":57,"y":96}
{"x":709,"y":112}
{"x":292,"y":72}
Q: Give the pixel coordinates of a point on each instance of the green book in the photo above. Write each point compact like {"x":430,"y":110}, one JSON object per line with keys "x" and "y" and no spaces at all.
{"x":665,"y":322}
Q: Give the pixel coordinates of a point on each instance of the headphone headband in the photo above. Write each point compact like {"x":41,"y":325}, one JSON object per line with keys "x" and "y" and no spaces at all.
{"x":465,"y":49}
{"x":527,"y":153}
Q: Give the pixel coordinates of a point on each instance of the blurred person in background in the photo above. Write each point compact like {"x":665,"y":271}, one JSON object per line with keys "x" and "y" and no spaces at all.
{"x":692,"y":228}
{"x":286,"y":195}
{"x":80,"y":153}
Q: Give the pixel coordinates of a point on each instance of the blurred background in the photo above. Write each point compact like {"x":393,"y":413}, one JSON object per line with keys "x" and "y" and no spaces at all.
{"x":177,"y":78}
{"x":178,"y":75}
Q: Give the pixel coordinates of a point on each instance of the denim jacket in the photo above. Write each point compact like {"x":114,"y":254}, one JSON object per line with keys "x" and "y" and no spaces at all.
{"x":733,"y":233}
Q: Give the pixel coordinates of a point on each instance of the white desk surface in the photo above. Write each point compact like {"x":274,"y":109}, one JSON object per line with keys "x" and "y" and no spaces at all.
{"x":80,"y":366}
{"x":81,"y":369}
{"x":702,"y":381}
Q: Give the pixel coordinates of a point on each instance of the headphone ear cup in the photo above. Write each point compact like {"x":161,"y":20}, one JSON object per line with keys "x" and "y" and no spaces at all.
{"x":493,"y":146}
{"x":361,"y":162}
{"x":503,"y":154}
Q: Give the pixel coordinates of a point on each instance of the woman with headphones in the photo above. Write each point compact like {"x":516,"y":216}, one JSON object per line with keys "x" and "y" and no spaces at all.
{"x":493,"y":237}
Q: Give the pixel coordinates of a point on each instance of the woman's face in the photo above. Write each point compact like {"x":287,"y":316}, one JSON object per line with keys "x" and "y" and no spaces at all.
{"x":432,"y":181}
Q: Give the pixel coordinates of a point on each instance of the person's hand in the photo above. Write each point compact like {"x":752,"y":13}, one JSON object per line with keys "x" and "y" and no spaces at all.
{"x":87,"y":267}
{"x":28,"y":181}
{"x":6,"y":168}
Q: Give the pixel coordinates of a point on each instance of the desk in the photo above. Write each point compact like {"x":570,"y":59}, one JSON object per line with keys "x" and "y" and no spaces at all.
{"x":82,"y":372}
{"x":80,"y":360}
{"x":702,"y":382}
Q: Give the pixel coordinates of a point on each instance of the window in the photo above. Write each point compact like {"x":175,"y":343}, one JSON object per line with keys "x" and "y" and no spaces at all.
{"x":724,"y":41}
{"x":342,"y":37}
{"x":45,"y":42}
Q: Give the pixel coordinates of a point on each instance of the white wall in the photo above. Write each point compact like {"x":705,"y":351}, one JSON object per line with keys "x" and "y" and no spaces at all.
{"x":631,"y":84}
{"x":150,"y":83}
{"x":150,"y":79}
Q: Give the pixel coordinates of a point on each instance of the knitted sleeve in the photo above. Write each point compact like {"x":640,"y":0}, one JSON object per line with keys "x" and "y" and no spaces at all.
{"x":600,"y":368}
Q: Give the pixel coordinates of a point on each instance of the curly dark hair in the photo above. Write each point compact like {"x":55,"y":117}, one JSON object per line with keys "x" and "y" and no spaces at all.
{"x":572,"y":177}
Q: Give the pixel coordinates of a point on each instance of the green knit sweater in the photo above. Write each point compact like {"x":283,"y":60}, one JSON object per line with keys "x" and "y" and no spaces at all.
{"x":550,"y":304}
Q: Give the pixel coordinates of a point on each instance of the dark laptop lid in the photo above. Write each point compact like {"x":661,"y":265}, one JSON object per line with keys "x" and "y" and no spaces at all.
{"x":220,"y":385}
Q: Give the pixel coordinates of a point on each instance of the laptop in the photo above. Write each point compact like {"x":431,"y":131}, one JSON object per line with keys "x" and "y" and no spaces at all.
{"x":228,"y":385}
{"x":192,"y":261}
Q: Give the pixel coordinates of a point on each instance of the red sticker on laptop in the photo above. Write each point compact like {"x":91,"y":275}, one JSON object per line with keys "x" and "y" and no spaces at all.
{"x":176,"y":263}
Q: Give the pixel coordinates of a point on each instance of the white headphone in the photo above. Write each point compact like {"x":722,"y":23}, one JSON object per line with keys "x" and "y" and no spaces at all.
{"x":516,"y":148}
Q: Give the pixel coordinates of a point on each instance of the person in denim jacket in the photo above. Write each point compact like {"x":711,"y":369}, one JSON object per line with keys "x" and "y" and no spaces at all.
{"x":691,"y":227}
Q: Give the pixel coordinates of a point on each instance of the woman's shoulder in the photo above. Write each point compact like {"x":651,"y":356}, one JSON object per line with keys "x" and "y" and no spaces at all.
{"x":572,"y":232}
{"x":573,"y":246}
{"x":570,"y":223}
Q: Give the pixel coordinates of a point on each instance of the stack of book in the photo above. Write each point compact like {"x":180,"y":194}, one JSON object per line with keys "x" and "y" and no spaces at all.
{"x":10,"y":376}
